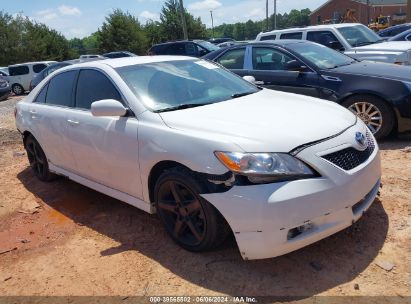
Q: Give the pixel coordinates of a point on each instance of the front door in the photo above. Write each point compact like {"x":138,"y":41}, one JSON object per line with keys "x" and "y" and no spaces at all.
{"x":269,"y":70}
{"x":105,"y":148}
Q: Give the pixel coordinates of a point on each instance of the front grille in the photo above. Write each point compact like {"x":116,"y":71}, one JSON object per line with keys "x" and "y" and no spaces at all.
{"x":351,"y":158}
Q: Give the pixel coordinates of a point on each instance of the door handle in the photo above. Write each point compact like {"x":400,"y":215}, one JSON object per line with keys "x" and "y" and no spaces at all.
{"x":33,"y":114}
{"x":259,"y":82}
{"x":72,"y":122}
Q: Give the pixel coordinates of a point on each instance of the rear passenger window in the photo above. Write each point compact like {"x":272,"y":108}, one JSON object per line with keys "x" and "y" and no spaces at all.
{"x":93,"y":86}
{"x":60,"y":89}
{"x":37,"y":68}
{"x":268,"y":37}
{"x":233,"y":59}
{"x":41,"y":97}
{"x":19,"y":70}
{"x":297,"y":35}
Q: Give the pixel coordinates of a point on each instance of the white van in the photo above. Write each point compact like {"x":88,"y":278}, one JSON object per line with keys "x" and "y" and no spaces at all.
{"x":354,"y":39}
{"x":22,"y":74}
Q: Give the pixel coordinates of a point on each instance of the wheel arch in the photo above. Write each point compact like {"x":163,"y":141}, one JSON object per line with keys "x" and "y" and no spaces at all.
{"x":156,"y":171}
{"x":375,"y":95}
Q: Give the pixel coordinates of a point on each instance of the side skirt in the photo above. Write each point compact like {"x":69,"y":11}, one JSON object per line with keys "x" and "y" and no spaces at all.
{"x":131,"y":200}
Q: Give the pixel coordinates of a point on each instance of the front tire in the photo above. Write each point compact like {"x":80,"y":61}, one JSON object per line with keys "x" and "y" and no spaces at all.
{"x":17,"y":89}
{"x":37,"y":159}
{"x":191,"y":221}
{"x":374,"y":112}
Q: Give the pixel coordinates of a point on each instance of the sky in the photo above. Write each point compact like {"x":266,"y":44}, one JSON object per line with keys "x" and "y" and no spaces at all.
{"x":80,"y":18}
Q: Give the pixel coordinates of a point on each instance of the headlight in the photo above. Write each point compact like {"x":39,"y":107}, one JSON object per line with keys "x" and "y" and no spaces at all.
{"x":265,"y":167}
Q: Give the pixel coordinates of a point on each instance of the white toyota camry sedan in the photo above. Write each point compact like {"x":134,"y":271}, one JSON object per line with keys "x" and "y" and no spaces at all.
{"x":207,"y":151}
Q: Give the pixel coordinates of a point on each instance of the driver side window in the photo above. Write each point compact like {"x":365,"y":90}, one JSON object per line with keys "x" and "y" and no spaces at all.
{"x":92,"y":86}
{"x":268,"y":59}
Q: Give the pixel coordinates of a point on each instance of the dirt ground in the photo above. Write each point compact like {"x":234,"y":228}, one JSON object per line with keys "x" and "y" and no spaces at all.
{"x":61,"y":238}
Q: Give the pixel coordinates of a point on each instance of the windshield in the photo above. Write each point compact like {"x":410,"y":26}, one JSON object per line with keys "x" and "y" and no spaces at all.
{"x":173,"y":84}
{"x":359,"y":35}
{"x":321,"y":56}
{"x":207,"y":45}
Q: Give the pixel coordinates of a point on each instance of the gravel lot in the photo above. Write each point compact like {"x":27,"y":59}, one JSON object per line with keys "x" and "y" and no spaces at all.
{"x":61,"y":238}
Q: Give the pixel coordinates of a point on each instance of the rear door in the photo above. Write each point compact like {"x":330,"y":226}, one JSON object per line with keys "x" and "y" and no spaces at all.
{"x":47,"y":116}
{"x":105,"y":148}
{"x":269,"y":68}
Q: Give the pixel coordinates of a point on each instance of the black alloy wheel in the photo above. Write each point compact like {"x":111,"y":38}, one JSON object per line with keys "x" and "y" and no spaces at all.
{"x":190,"y":220}
{"x":37,"y":159}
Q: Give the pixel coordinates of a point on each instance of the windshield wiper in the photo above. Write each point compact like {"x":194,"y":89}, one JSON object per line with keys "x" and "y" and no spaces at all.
{"x":181,"y":107}
{"x":237,"y":95}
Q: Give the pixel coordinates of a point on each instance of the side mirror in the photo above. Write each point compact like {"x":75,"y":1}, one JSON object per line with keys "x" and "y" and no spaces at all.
{"x":108,"y":107}
{"x":249,"y":79}
{"x":295,"y":65}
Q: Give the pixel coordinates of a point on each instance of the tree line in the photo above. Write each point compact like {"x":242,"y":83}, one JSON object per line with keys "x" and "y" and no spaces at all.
{"x":22,"y":39}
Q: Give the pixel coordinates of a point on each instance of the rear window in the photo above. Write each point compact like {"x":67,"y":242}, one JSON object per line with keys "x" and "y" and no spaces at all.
{"x":41,"y":97}
{"x":19,"y":70}
{"x":37,"y":68}
{"x":60,"y":89}
{"x":268,"y":37}
{"x":297,"y":35}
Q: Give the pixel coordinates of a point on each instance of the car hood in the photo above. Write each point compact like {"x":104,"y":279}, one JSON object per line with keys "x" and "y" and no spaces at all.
{"x":386,"y":46}
{"x":267,"y":121}
{"x":377,"y":69}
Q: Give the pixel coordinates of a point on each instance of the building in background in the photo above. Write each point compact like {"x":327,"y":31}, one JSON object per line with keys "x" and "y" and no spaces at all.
{"x":334,"y":11}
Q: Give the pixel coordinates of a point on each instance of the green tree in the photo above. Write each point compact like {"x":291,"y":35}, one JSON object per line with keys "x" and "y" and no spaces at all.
{"x":171,"y":25}
{"x":121,"y":31}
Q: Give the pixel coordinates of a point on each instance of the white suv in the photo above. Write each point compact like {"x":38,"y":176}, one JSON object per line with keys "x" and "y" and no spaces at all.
{"x":22,"y":74}
{"x":206,"y":150}
{"x":354,"y":39}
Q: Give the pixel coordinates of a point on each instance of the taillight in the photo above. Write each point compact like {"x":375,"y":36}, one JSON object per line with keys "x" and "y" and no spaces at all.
{"x":15,"y":112}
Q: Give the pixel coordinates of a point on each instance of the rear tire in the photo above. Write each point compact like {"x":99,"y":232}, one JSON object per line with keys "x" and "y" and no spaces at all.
{"x":191,"y":221}
{"x":375,"y":112}
{"x":17,"y":89}
{"x":37,"y":159}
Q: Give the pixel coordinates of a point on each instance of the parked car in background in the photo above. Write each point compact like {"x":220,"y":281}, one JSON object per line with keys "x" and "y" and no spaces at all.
{"x":212,"y":154}
{"x":5,"y":88}
{"x":119,"y":54}
{"x":231,"y":43}
{"x":194,"y":48}
{"x":22,"y":74}
{"x":58,"y":65}
{"x":404,"y":36}
{"x":4,"y":71}
{"x":355,"y":40}
{"x":378,"y":93}
{"x":394,"y":30}
{"x":220,"y":40}
{"x":91,"y":56}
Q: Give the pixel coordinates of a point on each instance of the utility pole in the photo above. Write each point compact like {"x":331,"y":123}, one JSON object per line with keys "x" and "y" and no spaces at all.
{"x":368,"y":12}
{"x":212,"y":24}
{"x":183,"y":20}
{"x":275,"y":14}
{"x":266,"y":15}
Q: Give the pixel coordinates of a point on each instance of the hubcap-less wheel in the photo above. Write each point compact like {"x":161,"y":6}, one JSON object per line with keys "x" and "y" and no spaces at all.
{"x":369,"y":114}
{"x":37,"y":159}
{"x":181,"y":211}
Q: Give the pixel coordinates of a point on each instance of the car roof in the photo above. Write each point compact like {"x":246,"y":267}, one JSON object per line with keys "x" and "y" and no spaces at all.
{"x":31,"y":63}
{"x":178,"y":41}
{"x":128,"y":61}
{"x":322,"y":26}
